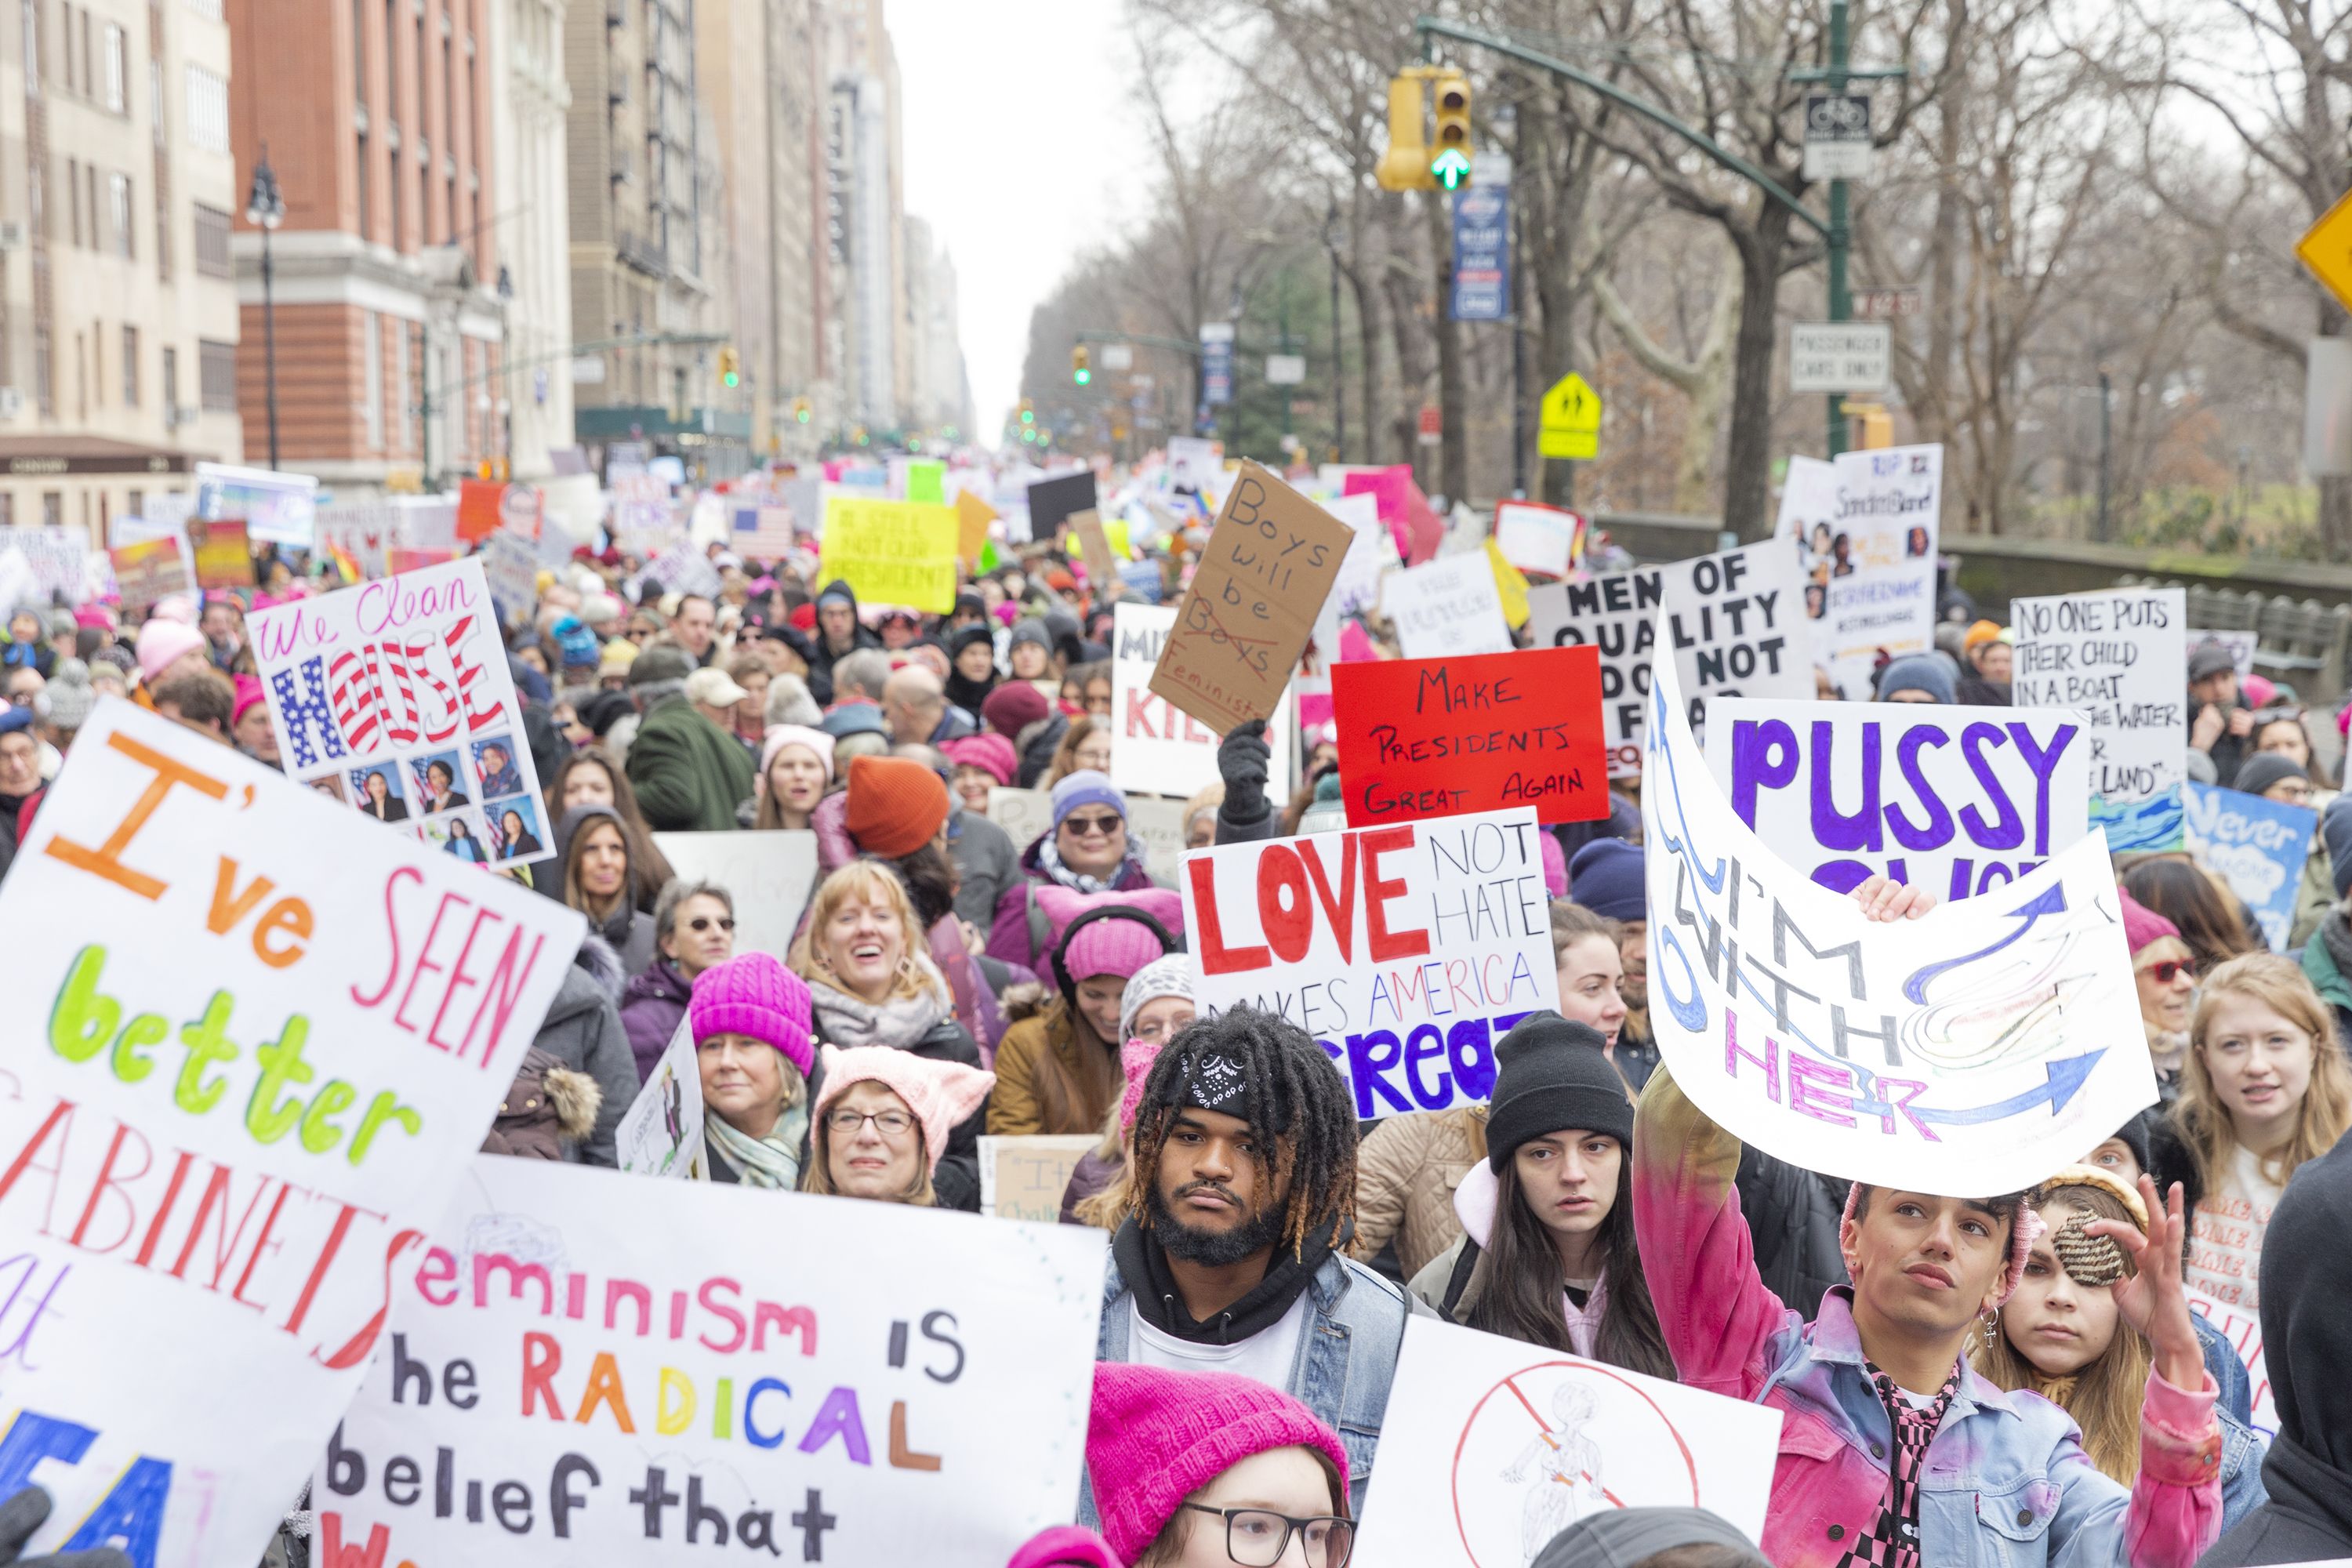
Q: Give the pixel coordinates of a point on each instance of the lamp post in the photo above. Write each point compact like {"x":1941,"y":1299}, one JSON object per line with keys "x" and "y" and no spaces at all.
{"x":264,"y":208}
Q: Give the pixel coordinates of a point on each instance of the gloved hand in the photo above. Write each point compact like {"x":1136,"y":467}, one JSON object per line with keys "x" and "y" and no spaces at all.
{"x":1244,"y":760}
{"x":25,"y":1512}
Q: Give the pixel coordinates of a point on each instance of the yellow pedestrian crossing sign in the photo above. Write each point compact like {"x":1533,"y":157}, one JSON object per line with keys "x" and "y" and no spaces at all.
{"x":1571,"y":420}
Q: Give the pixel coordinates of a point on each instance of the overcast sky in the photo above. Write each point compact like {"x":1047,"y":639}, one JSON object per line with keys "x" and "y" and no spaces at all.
{"x":1020,"y":136}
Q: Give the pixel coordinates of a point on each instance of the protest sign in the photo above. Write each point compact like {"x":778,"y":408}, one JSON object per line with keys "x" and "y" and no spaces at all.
{"x":1371,"y":551}
{"x":250,"y":1048}
{"x":1970,"y":1051}
{"x":150,"y":570}
{"x":394,"y":698}
{"x":511,"y":568}
{"x":2243,"y":1330}
{"x":276,"y":508}
{"x":661,"y":1134}
{"x":1959,"y":800}
{"x":1197,"y":467}
{"x":593,"y":1367}
{"x":1510,"y":586}
{"x":222,"y":552}
{"x":760,"y":530}
{"x":769,"y":875}
{"x":683,"y":568}
{"x":1862,"y":531}
{"x":1093,"y":546}
{"x":973,"y":517}
{"x":1733,"y":623}
{"x":55,"y":557}
{"x":1157,"y":748}
{"x":2256,"y":845}
{"x":1407,"y":951}
{"x":1023,"y":1178}
{"x":1241,"y":624}
{"x":1489,"y":732}
{"x":1446,"y":608}
{"x":1053,"y":501}
{"x":642,"y":521}
{"x":1417,"y":529}
{"x":1543,"y":541}
{"x":892,"y":552}
{"x":1153,"y":821}
{"x":2120,"y":657}
{"x":919,"y":479}
{"x":2240,"y":644}
{"x":1491,"y":1447}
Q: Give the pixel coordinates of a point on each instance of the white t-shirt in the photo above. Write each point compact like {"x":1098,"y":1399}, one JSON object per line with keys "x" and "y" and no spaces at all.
{"x":1269,"y":1356}
{"x":2225,"y":1236}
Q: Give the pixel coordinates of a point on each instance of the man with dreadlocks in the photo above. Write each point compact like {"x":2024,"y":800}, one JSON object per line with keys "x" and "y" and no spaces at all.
{"x":1244,"y":1182}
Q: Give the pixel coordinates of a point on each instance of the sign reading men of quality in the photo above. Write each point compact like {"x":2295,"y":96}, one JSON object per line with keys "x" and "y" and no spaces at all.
{"x":1962,"y":1053}
{"x":1959,"y":800}
{"x":1489,"y":732}
{"x":2118,"y":657}
{"x":1242,"y":625}
{"x":251,"y":1045}
{"x":1732,"y":621}
{"x":1157,"y":748}
{"x":394,"y":698}
{"x":573,"y":1375}
{"x":1407,"y":951}
{"x":892,"y":552}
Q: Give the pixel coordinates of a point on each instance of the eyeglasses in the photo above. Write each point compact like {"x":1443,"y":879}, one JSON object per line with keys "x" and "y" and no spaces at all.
{"x":703,"y":922}
{"x":1257,"y":1537}
{"x":1105,"y":826}
{"x":2169,"y":969}
{"x":638,"y":634}
{"x":890,"y":1123}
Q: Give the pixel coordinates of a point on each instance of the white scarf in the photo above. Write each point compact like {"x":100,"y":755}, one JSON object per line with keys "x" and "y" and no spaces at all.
{"x":898,"y":1021}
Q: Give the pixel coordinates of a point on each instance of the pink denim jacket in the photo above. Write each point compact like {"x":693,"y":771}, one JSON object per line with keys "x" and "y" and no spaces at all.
{"x":2006,"y":1483}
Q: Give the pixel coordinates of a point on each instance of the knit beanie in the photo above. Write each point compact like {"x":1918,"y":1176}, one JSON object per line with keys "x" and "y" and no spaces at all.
{"x":895,"y":805}
{"x":577,"y":644}
{"x":1154,"y":1438}
{"x":1171,"y":975}
{"x":2208,"y":659}
{"x":2022,"y":1232}
{"x":1550,"y":1074}
{"x":778,"y":736}
{"x":1109,"y":944}
{"x":2335,"y":832}
{"x":1135,"y":1059}
{"x":2143,"y":926}
{"x":1064,"y":1546}
{"x":1608,"y":878}
{"x":1013,"y":706}
{"x":1983,"y":632}
{"x":1919,"y":672}
{"x":753,"y":994}
{"x":71,"y":696}
{"x":1085,"y":787}
{"x":942,"y":1094}
{"x":161,"y":642}
{"x":618,"y":656}
{"x":1030,"y":631}
{"x":991,"y":753}
{"x":1622,"y":1537}
{"x":858,"y":718}
{"x":2263,"y":769}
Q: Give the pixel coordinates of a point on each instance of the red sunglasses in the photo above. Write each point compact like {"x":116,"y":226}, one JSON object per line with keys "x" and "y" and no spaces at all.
{"x":2171,"y":969}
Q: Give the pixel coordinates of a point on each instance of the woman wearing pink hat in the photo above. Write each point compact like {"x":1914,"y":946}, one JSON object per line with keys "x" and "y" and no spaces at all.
{"x":796,"y":769}
{"x":750,"y":1019}
{"x":883,"y":1121}
{"x":249,"y":724}
{"x":1058,"y":1072}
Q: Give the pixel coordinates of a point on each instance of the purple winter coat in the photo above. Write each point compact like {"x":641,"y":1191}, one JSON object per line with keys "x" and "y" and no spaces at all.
{"x":1008,"y":935}
{"x":652,"y":1003}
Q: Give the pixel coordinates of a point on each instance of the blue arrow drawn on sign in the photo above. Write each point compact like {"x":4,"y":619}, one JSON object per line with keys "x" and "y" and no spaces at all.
{"x":2066,"y":1075}
{"x":2052,"y":901}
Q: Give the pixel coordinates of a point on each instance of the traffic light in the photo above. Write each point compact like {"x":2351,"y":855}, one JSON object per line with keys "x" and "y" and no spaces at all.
{"x":1405,"y":165}
{"x":803,"y":410}
{"x":731,"y":369}
{"x":1028,"y":413}
{"x":1449,"y":162}
{"x":1081,"y":365}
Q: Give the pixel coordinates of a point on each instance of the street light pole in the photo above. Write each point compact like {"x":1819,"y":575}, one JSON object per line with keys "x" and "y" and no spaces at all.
{"x":264,"y":208}
{"x":1841,"y":234}
{"x":1339,"y":380}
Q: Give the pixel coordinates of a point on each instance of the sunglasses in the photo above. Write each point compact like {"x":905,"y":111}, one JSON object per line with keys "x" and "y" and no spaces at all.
{"x":703,"y":922}
{"x":1105,"y":826}
{"x":2169,"y":969}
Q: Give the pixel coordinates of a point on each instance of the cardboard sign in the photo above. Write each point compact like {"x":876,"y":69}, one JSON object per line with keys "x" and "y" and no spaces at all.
{"x":2119,"y":657}
{"x":1733,"y":622}
{"x":1543,"y":541}
{"x":2256,"y":845}
{"x":395,"y":698}
{"x":1156,"y":823}
{"x":223,"y":553}
{"x":1251,"y":607}
{"x":56,"y":556}
{"x":584,"y":1369}
{"x":1025,"y":1178}
{"x":892,"y":552}
{"x":1407,"y":951}
{"x":1156,"y":748}
{"x":1973,"y":1051}
{"x":2243,"y":1330}
{"x":1960,"y":800}
{"x":251,"y":1045}
{"x":1053,"y":501}
{"x":1863,"y":531}
{"x":973,"y":517}
{"x":1442,"y":736}
{"x":150,"y":570}
{"x":661,"y":1134}
{"x":770,"y":876}
{"x":1491,"y":1447}
{"x":1447,"y":608}
{"x":1096,"y":548}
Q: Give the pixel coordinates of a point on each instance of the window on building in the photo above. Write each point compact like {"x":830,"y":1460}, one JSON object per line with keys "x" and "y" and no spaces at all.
{"x":163,"y":235}
{"x":407,"y":405}
{"x":208,"y":94}
{"x":130,"y":367}
{"x":45,"y":391}
{"x":134,"y":503}
{"x":213,"y":227}
{"x":217,"y":376}
{"x":88,"y":31}
{"x":115,"y":80}
{"x":371,"y":378}
{"x":360,"y":187}
{"x":155,"y":116}
{"x":90,"y":202}
{"x":170,"y":389}
{"x":118,"y":196}
{"x":359,"y":50}
{"x":73,"y":195}
{"x":53,"y":509}
{"x":210,"y":10}
{"x":66,"y":27}
{"x":32,"y":47}
{"x":7,"y":508}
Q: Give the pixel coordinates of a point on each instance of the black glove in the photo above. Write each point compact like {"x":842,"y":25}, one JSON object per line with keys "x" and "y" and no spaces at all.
{"x":25,"y":1512}
{"x":1244,"y":760}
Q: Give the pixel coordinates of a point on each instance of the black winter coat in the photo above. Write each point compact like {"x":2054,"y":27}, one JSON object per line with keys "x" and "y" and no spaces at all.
{"x":1792,"y":1216}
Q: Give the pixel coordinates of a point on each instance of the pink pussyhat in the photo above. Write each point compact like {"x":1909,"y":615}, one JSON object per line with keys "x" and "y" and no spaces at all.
{"x":2022,"y":1232}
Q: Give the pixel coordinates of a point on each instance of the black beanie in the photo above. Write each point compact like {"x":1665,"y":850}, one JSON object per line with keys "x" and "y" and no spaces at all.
{"x":1550,"y":1074}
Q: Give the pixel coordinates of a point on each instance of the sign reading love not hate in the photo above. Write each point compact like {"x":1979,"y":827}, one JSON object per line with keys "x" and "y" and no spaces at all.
{"x":2257,"y":846}
{"x":252,"y":1042}
{"x":1406,"y":951}
{"x":575,"y":1374}
{"x":1442,"y":736}
{"x":1972,"y":1050}
{"x":1959,"y":800}
{"x":1156,"y":748}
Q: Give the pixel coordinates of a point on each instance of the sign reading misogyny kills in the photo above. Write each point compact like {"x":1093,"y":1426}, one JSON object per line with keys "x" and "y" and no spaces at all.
{"x":1157,"y":748}
{"x":251,"y":1045}
{"x":574,"y":1373}
{"x":893,"y":551}
{"x":1486,"y":733}
{"x":1733,"y":622}
{"x":2256,"y":845}
{"x":1970,"y":1051}
{"x":2119,"y":655}
{"x":394,"y":698}
{"x":1959,"y":800}
{"x":1863,"y":531}
{"x":1407,"y":951}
